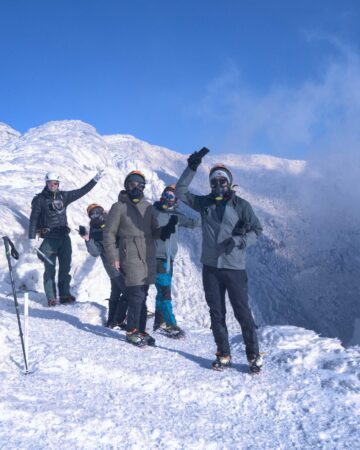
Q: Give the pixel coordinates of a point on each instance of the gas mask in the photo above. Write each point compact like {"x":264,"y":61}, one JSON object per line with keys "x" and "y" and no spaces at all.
{"x":135,"y":190}
{"x":97,"y":217}
{"x":167,"y":200}
{"x":219,"y":188}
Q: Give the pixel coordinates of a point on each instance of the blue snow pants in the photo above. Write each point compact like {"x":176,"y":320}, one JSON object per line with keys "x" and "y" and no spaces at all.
{"x":163,"y":287}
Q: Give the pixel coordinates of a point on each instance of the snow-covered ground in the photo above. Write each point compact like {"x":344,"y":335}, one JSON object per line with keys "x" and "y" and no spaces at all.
{"x":90,"y":389}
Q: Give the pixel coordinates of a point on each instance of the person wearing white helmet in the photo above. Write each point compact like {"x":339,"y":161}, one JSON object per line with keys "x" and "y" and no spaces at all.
{"x":48,"y":220}
{"x":229,"y":227}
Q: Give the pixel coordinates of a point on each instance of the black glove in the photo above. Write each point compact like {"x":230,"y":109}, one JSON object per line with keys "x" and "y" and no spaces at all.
{"x":169,"y":228}
{"x":241,"y":228}
{"x":194,"y":160}
{"x":241,"y":244}
{"x":229,"y":245}
{"x":82,"y":230}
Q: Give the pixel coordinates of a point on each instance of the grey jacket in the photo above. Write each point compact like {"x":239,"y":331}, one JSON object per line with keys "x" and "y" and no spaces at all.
{"x":96,"y":248}
{"x":163,"y":217}
{"x":214,"y":231}
{"x":129,"y":237}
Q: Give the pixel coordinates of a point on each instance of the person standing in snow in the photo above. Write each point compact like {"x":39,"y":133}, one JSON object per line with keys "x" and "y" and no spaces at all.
{"x":94,"y":244}
{"x":229,"y":227}
{"x":48,"y":219}
{"x":165,"y":254}
{"x":129,"y":241}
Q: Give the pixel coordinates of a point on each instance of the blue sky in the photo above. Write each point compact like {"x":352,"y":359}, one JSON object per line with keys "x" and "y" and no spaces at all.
{"x":236,"y":76}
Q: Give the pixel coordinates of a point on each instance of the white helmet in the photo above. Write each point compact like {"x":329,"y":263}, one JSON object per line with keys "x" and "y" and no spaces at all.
{"x":52,"y":176}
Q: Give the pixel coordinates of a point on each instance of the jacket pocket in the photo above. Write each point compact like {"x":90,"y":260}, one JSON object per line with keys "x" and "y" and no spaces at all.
{"x":137,"y":245}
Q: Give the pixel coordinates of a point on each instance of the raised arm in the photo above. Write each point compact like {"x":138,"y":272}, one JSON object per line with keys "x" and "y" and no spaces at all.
{"x":181,"y":190}
{"x":72,"y":196}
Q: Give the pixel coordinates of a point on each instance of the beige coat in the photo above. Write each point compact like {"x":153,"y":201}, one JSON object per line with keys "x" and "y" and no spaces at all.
{"x":129,"y":237}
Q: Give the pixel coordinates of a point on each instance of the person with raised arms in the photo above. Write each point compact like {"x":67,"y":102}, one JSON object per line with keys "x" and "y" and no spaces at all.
{"x":229,"y":227}
{"x":48,"y":220}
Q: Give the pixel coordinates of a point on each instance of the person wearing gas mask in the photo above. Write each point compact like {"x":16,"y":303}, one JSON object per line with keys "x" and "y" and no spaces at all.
{"x":129,"y":242}
{"x":48,"y":220}
{"x":229,"y":227}
{"x":166,"y":251}
{"x":94,"y":244}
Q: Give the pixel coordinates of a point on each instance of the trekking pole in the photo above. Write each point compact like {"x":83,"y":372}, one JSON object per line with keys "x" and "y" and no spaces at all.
{"x":168,"y":254}
{"x":45,"y":257}
{"x":26,"y":324}
{"x":14,"y":253}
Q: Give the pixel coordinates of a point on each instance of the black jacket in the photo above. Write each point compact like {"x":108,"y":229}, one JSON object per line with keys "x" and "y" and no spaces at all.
{"x":48,"y":210}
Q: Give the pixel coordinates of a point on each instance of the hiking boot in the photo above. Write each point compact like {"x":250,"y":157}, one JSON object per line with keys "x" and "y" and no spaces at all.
{"x":221,"y":362}
{"x":67,"y":299}
{"x":52,"y":302}
{"x":135,"y":338}
{"x":172,"y":331}
{"x":148,"y":339}
{"x":255,"y":363}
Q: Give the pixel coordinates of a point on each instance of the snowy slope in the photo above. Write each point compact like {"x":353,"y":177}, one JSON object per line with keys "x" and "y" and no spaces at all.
{"x":89,"y":389}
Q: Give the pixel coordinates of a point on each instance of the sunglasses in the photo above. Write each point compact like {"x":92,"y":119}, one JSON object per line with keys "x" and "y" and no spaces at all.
{"x":136,"y":184}
{"x":53,"y":182}
{"x":219,"y":181}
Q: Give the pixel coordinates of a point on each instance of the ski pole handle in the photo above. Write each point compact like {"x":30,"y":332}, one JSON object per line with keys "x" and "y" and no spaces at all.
{"x":14,"y":252}
{"x":15,"y":255}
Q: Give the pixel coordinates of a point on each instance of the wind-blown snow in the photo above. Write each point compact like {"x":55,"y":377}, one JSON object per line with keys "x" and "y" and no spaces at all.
{"x":90,"y":389}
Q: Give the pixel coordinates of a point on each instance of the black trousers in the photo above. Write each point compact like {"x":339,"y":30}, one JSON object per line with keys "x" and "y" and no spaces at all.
{"x":216,"y":282}
{"x":118,"y":303}
{"x":137,"y":311}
